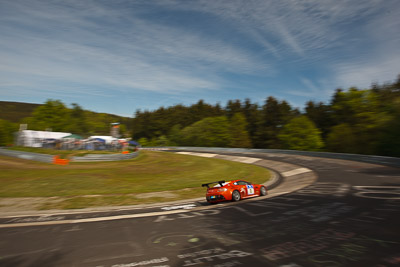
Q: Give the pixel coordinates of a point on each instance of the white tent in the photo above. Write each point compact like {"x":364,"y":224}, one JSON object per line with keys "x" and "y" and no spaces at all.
{"x":107,"y":139}
{"x":32,"y":138}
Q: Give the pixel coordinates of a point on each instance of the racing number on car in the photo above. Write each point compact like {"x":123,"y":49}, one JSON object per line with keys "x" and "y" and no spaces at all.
{"x":250,"y":189}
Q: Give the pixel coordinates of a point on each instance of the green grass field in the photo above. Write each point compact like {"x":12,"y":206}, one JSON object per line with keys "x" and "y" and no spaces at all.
{"x":79,"y":185}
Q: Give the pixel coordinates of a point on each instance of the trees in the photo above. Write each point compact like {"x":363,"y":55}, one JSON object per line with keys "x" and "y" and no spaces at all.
{"x":300,"y":133}
{"x":252,"y":115}
{"x":53,"y":114}
{"x":388,"y":97}
{"x":389,"y":144}
{"x":209,"y":132}
{"x":151,"y":124}
{"x":239,"y":135}
{"x":356,"y":120}
{"x":274,"y":115}
{"x":175,"y":135}
{"x":77,"y":121}
{"x":369,"y":115}
{"x":342,"y":139}
{"x":358,"y":113}
{"x":321,"y":115}
{"x":233,"y":107}
{"x":56,"y":116}
{"x":7,"y":130}
{"x":213,"y":131}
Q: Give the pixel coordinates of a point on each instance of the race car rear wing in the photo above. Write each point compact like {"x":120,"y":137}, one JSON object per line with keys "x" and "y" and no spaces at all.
{"x":221,"y":183}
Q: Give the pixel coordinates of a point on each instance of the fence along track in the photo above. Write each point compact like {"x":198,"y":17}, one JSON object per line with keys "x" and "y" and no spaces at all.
{"x":50,"y":158}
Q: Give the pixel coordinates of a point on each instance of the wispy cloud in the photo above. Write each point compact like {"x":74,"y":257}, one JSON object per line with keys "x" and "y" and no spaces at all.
{"x":285,"y":26}
{"x":140,"y":55}
{"x":184,"y":48}
{"x":362,"y":74}
{"x":378,"y":58}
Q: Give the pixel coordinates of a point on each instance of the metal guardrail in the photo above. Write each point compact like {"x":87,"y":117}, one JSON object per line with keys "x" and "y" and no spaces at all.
{"x":104,"y":157}
{"x":27,"y":155}
{"x":50,"y":158}
{"x":381,"y":160}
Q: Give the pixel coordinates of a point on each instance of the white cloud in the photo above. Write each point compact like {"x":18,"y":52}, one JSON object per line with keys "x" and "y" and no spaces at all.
{"x":363,"y":74}
{"x":381,"y":61}
{"x":296,"y":27}
{"x":141,"y":55}
{"x":311,"y":89}
{"x":94,"y":47}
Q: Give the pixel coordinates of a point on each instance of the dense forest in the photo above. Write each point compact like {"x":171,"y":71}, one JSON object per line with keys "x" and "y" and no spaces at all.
{"x":362,"y":121}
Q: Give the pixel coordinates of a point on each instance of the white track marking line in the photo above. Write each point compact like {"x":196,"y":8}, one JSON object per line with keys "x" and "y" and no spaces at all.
{"x":295,"y":171}
{"x":98,"y":219}
{"x":247,"y":159}
{"x":205,"y":155}
{"x":233,"y":158}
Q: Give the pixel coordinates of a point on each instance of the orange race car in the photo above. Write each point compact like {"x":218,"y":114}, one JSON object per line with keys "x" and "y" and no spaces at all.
{"x":233,"y":190}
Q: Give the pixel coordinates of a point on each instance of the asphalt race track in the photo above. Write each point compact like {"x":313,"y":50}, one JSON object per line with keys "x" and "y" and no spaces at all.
{"x":320,"y":212}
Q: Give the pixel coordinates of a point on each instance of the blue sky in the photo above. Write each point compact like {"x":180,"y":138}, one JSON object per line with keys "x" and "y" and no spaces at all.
{"x":117,"y":56}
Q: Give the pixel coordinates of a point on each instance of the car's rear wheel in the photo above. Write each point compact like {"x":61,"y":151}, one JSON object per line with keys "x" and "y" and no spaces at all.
{"x":235,"y":196}
{"x":263,"y":191}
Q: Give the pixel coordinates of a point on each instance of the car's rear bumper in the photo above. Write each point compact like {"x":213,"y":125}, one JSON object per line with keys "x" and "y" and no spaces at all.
{"x":215,"y":198}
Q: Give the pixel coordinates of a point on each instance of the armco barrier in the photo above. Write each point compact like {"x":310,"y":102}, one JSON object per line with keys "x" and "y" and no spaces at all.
{"x":105,"y":157}
{"x":27,"y":155}
{"x":54,"y":159}
{"x":381,"y":160}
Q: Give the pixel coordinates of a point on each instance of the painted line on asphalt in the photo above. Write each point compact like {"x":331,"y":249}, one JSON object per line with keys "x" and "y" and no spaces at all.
{"x":205,"y":155}
{"x":246,"y":160}
{"x":177,"y":207}
{"x":98,"y":219}
{"x":121,"y":217}
{"x":295,"y":172}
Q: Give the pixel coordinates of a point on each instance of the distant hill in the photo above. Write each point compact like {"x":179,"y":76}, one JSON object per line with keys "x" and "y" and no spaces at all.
{"x":16,"y":111}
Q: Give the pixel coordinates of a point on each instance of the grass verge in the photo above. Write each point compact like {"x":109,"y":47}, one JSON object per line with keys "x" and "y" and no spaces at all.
{"x":80,"y":185}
